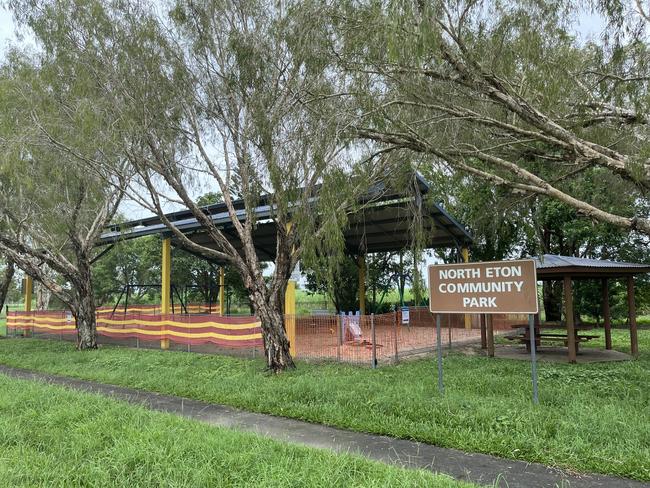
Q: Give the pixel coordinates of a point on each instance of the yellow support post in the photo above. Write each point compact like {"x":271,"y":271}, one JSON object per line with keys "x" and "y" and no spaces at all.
{"x":166,"y":268}
{"x":290,"y":316}
{"x":222,"y":291}
{"x":465,"y":253}
{"x":362,"y":283}
{"x":28,"y":293}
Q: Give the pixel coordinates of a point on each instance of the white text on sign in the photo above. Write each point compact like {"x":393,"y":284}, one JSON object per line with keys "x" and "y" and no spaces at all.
{"x":505,"y":286}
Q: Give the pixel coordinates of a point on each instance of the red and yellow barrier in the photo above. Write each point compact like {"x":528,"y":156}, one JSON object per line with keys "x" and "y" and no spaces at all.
{"x":58,"y":322}
{"x":202,"y":308}
{"x":183,"y":329}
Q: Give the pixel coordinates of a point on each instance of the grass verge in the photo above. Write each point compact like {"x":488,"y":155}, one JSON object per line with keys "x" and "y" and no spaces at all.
{"x":591,"y":418}
{"x":51,"y":436}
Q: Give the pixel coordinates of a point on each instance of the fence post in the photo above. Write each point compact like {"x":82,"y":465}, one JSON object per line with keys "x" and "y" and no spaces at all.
{"x":339,"y":340}
{"x":189,"y":329}
{"x":395,"y":336}
{"x":374,"y":340}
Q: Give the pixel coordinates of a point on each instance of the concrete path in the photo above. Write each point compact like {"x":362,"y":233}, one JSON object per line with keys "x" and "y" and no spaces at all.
{"x":478,"y":468}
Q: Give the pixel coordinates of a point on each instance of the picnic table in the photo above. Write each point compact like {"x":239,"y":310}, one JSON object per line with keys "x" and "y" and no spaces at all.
{"x":547,"y":332}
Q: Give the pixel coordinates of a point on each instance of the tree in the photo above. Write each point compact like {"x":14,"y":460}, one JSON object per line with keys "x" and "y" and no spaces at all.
{"x":380,"y":278}
{"x":505,"y":92}
{"x":129,"y":262}
{"x":53,"y":208}
{"x":339,"y":282}
{"x":238,"y":94}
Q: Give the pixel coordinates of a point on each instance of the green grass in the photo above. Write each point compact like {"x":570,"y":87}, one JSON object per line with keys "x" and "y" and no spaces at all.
{"x":591,"y":418}
{"x":51,"y":436}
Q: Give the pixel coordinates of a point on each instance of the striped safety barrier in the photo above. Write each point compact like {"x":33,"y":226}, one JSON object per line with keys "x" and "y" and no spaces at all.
{"x":236,"y":332}
{"x":201,"y":308}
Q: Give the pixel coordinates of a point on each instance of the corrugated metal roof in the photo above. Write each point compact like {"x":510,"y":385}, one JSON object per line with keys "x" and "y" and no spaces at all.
{"x":382,"y":226}
{"x":550,"y":261}
{"x":552,"y":267}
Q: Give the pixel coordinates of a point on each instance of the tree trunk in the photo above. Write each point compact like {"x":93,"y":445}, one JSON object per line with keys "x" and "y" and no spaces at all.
{"x":276,"y":343}
{"x":552,"y":301}
{"x":43,"y":296}
{"x":5,"y":281}
{"x":84,"y":309}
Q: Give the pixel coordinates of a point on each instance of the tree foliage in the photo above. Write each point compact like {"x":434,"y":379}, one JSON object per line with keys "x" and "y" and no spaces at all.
{"x":506,"y":92}
{"x":53,"y":208}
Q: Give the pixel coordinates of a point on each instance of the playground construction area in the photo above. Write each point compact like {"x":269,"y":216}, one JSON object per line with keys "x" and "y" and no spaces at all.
{"x":367,"y":339}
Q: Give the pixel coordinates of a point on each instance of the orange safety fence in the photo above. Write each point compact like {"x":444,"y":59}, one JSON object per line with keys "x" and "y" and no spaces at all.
{"x":357,"y":339}
{"x":231,"y":332}
{"x":386,"y":336}
{"x":193,"y":308}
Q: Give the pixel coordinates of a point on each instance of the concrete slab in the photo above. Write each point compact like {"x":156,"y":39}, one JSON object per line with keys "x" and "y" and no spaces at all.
{"x":560,"y":354}
{"x":478,"y":468}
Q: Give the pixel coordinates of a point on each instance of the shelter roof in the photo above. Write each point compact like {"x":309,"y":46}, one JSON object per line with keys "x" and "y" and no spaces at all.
{"x":552,"y":266}
{"x":381,"y":225}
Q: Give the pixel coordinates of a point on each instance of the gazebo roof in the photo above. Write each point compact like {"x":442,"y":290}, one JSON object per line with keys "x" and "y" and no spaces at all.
{"x":551,"y":266}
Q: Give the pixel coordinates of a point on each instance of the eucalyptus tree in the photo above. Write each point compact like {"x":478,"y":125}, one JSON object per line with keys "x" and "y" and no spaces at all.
{"x":53,"y":206}
{"x":507,"y":91}
{"x":236,"y":97}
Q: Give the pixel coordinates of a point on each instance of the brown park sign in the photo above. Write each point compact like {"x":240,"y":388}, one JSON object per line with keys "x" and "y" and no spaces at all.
{"x":487,"y":287}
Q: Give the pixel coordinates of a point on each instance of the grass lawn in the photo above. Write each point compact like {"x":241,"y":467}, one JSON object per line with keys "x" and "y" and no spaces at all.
{"x":591,"y":418}
{"x":51,"y":436}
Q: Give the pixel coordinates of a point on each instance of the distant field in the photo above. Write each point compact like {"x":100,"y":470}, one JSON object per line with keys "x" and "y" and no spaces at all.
{"x":307,"y":302}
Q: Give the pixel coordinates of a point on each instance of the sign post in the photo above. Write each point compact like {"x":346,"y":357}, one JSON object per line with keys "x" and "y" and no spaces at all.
{"x":441,"y":385}
{"x":533,"y":358}
{"x":491,"y":287}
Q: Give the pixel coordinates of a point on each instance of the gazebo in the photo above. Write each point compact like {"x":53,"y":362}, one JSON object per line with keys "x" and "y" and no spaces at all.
{"x":569,"y":269}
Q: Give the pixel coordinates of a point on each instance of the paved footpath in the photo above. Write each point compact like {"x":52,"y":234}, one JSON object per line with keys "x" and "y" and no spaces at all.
{"x":478,"y":468}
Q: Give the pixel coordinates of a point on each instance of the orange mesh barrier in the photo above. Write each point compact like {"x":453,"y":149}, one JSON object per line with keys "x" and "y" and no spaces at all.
{"x":197,"y":308}
{"x":351,"y":339}
{"x":232,"y":332}
{"x":320,"y":337}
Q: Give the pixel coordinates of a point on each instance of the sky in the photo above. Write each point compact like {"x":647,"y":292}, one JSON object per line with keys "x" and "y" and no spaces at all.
{"x":6,"y":26}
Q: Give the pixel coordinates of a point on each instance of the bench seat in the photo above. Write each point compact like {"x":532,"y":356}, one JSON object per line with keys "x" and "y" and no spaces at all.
{"x":563,"y":338}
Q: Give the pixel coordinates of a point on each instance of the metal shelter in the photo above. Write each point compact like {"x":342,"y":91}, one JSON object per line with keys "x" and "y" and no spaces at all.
{"x":383,"y":224}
